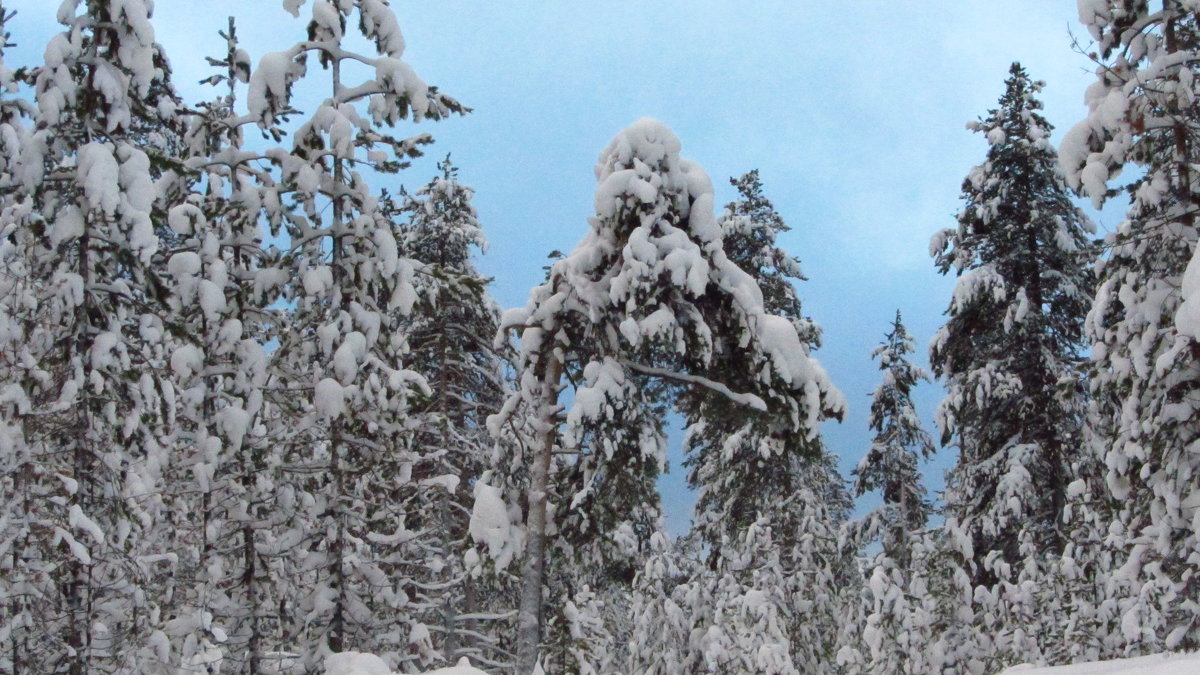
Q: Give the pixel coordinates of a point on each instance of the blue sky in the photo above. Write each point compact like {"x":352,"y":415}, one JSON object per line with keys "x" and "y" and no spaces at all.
{"x":854,"y":113}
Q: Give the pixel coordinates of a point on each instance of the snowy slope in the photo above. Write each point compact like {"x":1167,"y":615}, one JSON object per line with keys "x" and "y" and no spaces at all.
{"x":1157,"y":664}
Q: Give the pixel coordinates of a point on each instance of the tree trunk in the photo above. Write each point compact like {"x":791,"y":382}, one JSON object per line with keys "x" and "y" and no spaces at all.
{"x":529,"y":623}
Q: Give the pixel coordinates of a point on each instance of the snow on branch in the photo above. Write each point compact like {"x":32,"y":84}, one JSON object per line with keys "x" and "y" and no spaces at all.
{"x":748,"y":400}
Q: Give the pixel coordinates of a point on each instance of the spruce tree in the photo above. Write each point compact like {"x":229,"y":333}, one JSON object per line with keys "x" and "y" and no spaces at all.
{"x":1143,"y":110}
{"x":890,"y":606}
{"x":740,"y":466}
{"x":450,"y":336}
{"x":1011,"y":345}
{"x":749,"y":472}
{"x":891,"y":464}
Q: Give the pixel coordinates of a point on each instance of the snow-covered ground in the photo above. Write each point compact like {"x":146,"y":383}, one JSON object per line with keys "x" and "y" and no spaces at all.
{"x":357,"y":663}
{"x":1157,"y":664}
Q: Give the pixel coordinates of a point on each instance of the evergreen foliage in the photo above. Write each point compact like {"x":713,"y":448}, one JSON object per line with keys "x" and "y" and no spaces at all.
{"x":770,"y":502}
{"x":224,"y":507}
{"x":340,"y":369}
{"x":740,"y":463}
{"x":646,"y":302}
{"x":87,"y":410}
{"x":255,"y":410}
{"x":893,"y":609}
{"x":449,"y":340}
{"x":1142,"y":110}
{"x":1009,"y":351}
{"x":891,"y":464}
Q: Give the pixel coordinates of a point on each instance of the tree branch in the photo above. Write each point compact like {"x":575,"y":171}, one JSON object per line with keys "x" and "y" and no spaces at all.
{"x":748,"y":400}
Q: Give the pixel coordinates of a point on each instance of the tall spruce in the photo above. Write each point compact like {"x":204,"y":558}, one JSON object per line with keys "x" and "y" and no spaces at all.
{"x":85,"y":349}
{"x":1143,"y":110}
{"x":641,"y":307}
{"x":740,"y":465}
{"x":450,"y":337}
{"x":758,"y":483}
{"x":1009,"y":351}
{"x":890,"y":614}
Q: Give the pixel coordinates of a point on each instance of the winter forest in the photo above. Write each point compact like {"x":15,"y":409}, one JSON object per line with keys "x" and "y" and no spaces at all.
{"x":260,"y":411}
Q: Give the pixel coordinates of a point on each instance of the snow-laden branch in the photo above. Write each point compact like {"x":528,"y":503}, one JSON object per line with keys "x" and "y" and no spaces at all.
{"x":748,"y":400}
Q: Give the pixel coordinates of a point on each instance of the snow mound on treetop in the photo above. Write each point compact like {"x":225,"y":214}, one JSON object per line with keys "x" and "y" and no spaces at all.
{"x":358,"y":663}
{"x":1155,"y":664}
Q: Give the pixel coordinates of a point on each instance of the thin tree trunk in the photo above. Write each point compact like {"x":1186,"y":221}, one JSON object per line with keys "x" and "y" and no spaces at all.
{"x":449,"y":615}
{"x":529,"y":624}
{"x":337,"y":551}
{"x":254,"y":645}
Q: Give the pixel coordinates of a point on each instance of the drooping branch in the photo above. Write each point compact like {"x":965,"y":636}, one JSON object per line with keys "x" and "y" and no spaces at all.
{"x":748,"y":400}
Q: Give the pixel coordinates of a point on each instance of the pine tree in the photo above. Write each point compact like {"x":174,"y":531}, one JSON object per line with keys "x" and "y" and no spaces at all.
{"x":18,"y":545}
{"x":1009,"y":349}
{"x":222,"y":486}
{"x":629,"y":316}
{"x":84,"y":346}
{"x":344,"y":388}
{"x":1142,"y":420}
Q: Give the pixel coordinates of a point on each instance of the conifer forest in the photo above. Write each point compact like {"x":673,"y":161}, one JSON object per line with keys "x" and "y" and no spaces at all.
{"x":261,"y":413}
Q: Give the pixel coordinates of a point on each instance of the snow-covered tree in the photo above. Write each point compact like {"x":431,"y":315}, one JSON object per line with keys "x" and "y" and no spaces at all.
{"x":84,"y":346}
{"x":222,"y":480}
{"x":450,"y":338}
{"x":891,"y":627}
{"x":343,"y":388}
{"x":1143,"y":110}
{"x":1009,"y":351}
{"x":661,"y":607}
{"x":739,"y":463}
{"x":749,"y":622}
{"x":888,"y":616}
{"x":17,"y":543}
{"x":14,"y":110}
{"x":818,"y":565}
{"x":891,"y":463}
{"x":752,"y":227}
{"x":749,"y":471}
{"x":641,"y":308}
